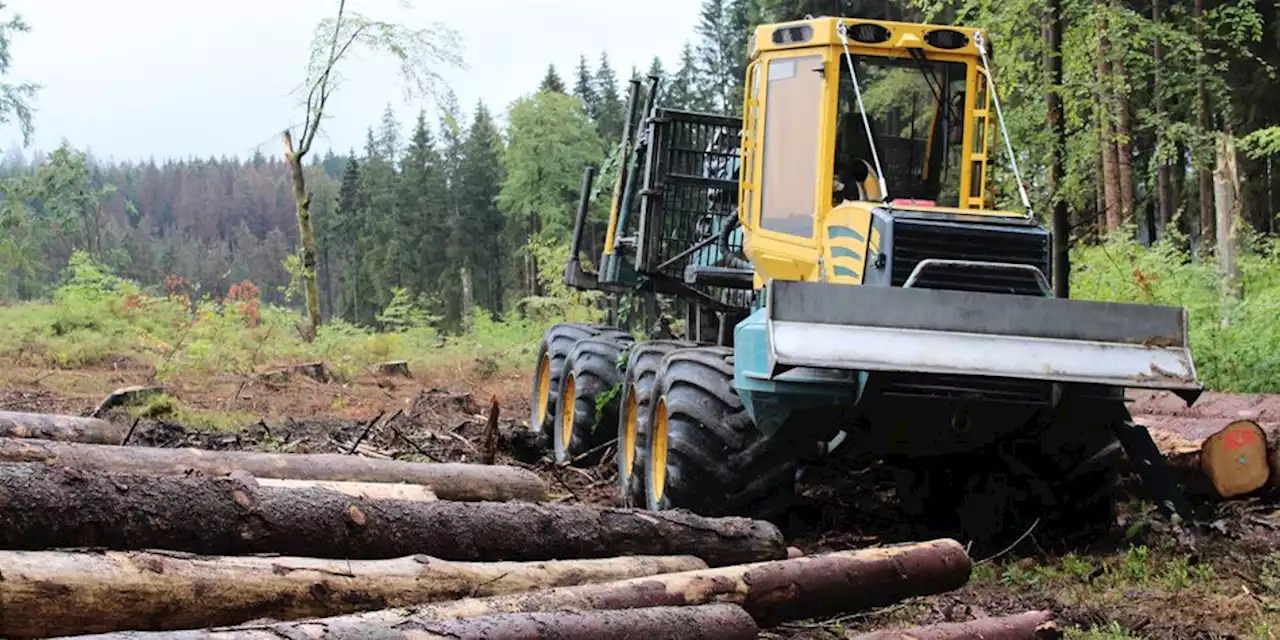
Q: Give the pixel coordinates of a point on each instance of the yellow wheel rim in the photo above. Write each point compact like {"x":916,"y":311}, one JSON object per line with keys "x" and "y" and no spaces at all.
{"x":544,"y":390}
{"x":567,"y":401}
{"x":629,"y":432}
{"x":659,"y":449}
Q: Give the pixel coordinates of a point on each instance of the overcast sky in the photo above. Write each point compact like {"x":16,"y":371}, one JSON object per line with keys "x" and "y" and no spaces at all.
{"x":130,"y":79}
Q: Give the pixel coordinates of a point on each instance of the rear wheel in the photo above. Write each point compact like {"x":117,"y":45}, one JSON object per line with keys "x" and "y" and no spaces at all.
{"x":588,"y":397}
{"x":705,"y":454}
{"x":633,"y":417}
{"x":1059,"y":476}
{"x":549,"y":367}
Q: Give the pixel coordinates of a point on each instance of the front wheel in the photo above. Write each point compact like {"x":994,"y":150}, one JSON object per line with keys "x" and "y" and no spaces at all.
{"x":633,"y":418}
{"x":704,"y":452}
{"x":549,"y":368}
{"x":588,"y":397}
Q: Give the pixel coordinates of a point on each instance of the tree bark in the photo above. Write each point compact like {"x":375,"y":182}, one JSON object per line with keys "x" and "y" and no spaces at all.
{"x":1124,"y":136}
{"x":1164,"y":185}
{"x":117,"y":591}
{"x":45,"y":426}
{"x":1058,"y":152}
{"x":1226,"y":188}
{"x":1203,"y":119}
{"x":771,"y":592}
{"x":449,"y":481}
{"x":1031,"y":625}
{"x":306,"y":233}
{"x":48,"y":507}
{"x":1110,"y":161}
{"x":1231,"y":462}
{"x":718,"y":621}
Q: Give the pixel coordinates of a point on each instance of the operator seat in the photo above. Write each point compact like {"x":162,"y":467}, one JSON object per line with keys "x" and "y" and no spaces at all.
{"x":854,"y":168}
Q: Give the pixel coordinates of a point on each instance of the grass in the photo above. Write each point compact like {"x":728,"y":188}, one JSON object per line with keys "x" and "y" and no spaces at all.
{"x":95,"y":318}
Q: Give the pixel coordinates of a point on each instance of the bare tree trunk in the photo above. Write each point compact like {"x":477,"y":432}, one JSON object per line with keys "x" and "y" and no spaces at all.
{"x":468,"y":297}
{"x":449,"y":480}
{"x":44,"y":426}
{"x":816,"y":586}
{"x":1226,"y":189}
{"x":1205,"y":231}
{"x":1110,"y":169}
{"x":49,"y":507}
{"x":1058,"y":152}
{"x":100,"y":592}
{"x":1124,"y":135}
{"x":1164,"y":185}
{"x":306,"y":236}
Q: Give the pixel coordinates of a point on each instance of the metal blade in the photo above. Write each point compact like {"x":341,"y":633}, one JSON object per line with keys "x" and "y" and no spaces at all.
{"x":955,"y":332}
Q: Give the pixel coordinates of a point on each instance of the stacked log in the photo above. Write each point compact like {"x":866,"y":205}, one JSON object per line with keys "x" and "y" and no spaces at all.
{"x":137,"y":542}
{"x":449,"y":481}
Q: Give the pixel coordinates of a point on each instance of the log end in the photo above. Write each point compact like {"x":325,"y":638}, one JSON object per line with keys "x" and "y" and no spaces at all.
{"x":1235,"y":459}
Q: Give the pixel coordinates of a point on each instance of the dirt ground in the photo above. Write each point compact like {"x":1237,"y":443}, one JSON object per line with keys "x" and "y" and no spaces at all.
{"x":1219,"y":578}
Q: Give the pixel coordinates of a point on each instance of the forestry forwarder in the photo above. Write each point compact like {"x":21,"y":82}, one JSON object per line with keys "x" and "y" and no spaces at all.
{"x":871,"y":303}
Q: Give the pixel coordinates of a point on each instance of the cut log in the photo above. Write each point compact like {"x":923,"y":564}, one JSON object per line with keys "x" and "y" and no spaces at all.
{"x":815,"y":586}
{"x":122,"y":396}
{"x":1235,"y":459}
{"x":1231,"y":462}
{"x":46,"y":507}
{"x":366,"y":490}
{"x":116,"y":591}
{"x":1032,"y":625}
{"x":394,"y":368}
{"x":47,"y":426}
{"x":449,"y":481}
{"x":711,"y":621}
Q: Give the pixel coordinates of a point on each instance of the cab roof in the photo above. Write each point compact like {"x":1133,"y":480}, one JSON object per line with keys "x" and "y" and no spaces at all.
{"x":865,"y":34}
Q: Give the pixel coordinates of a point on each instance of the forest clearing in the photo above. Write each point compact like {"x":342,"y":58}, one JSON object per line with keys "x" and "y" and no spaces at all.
{"x":1144,"y":580}
{"x":873,"y":319}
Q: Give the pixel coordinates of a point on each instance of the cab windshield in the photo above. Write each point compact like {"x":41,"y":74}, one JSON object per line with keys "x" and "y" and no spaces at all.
{"x":916,"y":111}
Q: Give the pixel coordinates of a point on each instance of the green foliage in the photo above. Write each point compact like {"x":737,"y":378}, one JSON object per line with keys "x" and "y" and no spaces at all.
{"x":549,"y":141}
{"x":1232,"y":340}
{"x":406,"y":311}
{"x":15,"y":98}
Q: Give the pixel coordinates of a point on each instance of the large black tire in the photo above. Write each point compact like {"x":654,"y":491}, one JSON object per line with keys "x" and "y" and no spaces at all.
{"x":633,"y":415}
{"x":1059,"y":476}
{"x":588,"y":398}
{"x":548,"y":368}
{"x":705,"y":454}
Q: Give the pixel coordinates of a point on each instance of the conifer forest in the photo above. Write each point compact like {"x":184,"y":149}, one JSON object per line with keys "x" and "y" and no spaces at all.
{"x":350,"y":391}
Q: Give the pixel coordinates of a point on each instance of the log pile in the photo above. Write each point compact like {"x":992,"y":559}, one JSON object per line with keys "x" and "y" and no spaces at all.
{"x":133,"y":542}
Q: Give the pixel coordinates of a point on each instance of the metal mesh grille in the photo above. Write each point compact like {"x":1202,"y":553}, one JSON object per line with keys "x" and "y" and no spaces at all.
{"x":914,"y":241}
{"x":691,"y":193}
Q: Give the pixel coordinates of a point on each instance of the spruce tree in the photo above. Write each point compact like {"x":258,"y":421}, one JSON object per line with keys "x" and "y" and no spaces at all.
{"x":452,"y":136}
{"x":584,"y":86}
{"x":478,"y":235}
{"x":421,"y":192}
{"x":552,"y":81}
{"x":684,"y":91}
{"x":609,"y":120}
